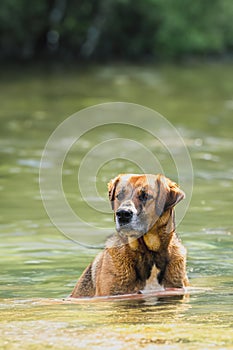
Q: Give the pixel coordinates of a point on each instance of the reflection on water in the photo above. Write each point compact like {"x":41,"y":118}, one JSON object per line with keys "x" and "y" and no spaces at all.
{"x":118,"y":324}
{"x":38,"y":262}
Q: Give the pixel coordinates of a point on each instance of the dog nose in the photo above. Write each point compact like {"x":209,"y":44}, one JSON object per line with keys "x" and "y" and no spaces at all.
{"x":124,"y":216}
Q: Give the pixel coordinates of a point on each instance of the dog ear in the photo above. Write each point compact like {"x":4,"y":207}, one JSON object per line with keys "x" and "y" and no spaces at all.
{"x":169,"y":194}
{"x":112,"y":189}
{"x":175,"y":195}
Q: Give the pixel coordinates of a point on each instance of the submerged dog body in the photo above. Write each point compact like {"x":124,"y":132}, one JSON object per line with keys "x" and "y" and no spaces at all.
{"x":144,"y":214}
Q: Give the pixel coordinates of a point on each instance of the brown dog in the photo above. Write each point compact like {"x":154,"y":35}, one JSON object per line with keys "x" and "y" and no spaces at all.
{"x":144,"y":214}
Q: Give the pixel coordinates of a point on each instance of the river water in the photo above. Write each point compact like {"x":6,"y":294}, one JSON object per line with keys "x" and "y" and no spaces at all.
{"x":40,"y":265}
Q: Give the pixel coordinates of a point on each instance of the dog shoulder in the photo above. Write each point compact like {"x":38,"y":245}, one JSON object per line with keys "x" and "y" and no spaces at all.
{"x":84,"y":287}
{"x":96,"y":267}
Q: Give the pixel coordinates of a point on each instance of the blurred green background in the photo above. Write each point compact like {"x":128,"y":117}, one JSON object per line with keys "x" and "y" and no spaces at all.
{"x":151,"y":30}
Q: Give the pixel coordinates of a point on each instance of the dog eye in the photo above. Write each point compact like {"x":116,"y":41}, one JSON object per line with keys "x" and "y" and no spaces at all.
{"x":120,"y":196}
{"x":144,"y":196}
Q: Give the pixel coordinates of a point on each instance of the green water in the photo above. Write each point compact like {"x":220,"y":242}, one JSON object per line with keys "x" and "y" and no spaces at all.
{"x":39,"y":266}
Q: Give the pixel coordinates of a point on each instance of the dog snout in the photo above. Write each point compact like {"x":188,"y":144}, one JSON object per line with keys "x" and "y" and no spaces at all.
{"x":124,"y":216}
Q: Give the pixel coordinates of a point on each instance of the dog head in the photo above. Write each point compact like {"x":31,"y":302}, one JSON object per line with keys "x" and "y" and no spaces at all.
{"x":139,"y":201}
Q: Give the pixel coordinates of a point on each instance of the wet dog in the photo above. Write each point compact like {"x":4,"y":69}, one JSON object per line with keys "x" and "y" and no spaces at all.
{"x":145,"y":245}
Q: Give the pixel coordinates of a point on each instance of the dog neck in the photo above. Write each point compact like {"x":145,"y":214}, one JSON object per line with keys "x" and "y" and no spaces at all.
{"x":160,"y":235}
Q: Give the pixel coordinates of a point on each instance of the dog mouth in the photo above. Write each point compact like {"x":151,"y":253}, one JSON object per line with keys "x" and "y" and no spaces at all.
{"x":129,"y":223}
{"x":131,"y":229}
{"x":130,"y":234}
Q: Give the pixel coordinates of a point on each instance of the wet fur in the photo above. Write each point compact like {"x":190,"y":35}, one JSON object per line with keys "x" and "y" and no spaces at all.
{"x":126,"y":264}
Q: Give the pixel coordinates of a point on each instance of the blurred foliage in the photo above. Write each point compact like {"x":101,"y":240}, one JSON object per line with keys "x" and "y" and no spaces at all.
{"x":115,"y":29}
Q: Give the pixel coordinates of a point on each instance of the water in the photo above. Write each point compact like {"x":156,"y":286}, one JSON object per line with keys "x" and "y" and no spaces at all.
{"x":40,"y":266}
